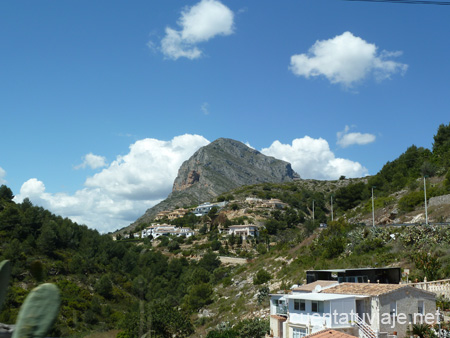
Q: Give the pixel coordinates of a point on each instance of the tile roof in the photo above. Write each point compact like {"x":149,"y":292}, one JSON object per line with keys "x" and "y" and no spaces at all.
{"x":367,"y":289}
{"x":330,"y":334}
{"x":312,"y":286}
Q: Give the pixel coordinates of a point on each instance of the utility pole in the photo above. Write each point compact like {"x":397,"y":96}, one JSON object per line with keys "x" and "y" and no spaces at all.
{"x":373,"y":210}
{"x":313,"y":212}
{"x":425,"y":194}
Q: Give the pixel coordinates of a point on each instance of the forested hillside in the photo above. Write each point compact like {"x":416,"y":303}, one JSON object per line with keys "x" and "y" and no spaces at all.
{"x":178,"y":287}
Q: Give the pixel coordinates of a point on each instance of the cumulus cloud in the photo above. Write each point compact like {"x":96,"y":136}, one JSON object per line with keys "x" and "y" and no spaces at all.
{"x":92,"y":161}
{"x":199,"y":23}
{"x":346,"y":139}
{"x":312,"y":158}
{"x":346,"y":59}
{"x":120,"y":193}
{"x":2,"y":175}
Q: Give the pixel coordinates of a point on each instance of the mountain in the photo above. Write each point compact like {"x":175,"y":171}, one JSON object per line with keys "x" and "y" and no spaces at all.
{"x":217,"y":168}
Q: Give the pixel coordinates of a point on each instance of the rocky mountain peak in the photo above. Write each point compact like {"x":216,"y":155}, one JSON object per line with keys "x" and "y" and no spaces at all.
{"x":226,"y":164}
{"x":221,"y":166}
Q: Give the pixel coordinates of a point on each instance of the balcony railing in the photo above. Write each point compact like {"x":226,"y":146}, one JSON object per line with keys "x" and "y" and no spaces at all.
{"x":281,"y":310}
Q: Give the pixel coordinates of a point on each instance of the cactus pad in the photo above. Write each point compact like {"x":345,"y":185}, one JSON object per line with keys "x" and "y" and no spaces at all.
{"x":38,"y":312}
{"x":5,"y":271}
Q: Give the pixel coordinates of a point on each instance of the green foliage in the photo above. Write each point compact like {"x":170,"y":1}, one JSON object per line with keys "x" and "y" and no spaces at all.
{"x":5,"y":271}
{"x":210,"y":261}
{"x":427,"y":263}
{"x":38,"y":312}
{"x":215,"y":245}
{"x":261,"y":277}
{"x":441,"y":145}
{"x":198,"y":296}
{"x":447,"y":181}
{"x":247,"y":328}
{"x":409,"y":201}
{"x":263,"y":295}
{"x":423,"y":330}
{"x":104,"y":287}
{"x":6,"y":194}
{"x":350,"y":196}
{"x":37,"y":271}
{"x":173,"y":246}
{"x":254,"y":328}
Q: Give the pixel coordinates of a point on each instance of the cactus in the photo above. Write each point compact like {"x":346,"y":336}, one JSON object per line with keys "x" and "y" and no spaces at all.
{"x":5,"y":271}
{"x":38,"y":312}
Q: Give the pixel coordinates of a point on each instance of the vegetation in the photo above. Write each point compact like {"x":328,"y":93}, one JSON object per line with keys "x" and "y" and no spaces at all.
{"x":163,"y":285}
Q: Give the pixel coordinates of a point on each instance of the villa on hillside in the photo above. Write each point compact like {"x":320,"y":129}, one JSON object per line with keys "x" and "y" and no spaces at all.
{"x":273,"y":203}
{"x":178,"y":213}
{"x":204,"y":208}
{"x":363,"y":310}
{"x":245,"y":230}
{"x":171,"y":215}
{"x":165,"y":230}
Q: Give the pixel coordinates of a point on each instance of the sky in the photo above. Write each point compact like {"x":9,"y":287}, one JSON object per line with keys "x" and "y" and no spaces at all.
{"x":102,"y":101}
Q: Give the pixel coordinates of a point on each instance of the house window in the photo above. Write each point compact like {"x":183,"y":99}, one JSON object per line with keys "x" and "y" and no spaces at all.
{"x":420,"y":307}
{"x":299,"y":333}
{"x":393,"y":308}
{"x":316,"y":306}
{"x":299,"y":304}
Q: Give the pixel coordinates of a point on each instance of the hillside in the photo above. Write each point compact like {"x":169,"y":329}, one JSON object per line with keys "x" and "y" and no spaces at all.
{"x":179,"y":287}
{"x":214,"y":169}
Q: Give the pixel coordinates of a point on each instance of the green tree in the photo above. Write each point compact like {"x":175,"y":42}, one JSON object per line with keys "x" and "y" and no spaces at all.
{"x":210,"y":261}
{"x":198,"y":296}
{"x":104,"y":287}
{"x":253,"y":328}
{"x":262,"y":276}
{"x":6,"y":194}
{"x":427,"y":263}
{"x":47,"y":241}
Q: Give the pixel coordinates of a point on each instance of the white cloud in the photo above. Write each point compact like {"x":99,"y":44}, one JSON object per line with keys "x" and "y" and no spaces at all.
{"x":346,"y":59}
{"x":92,"y":161}
{"x":120,"y":193}
{"x":199,"y":23}
{"x":2,"y":175}
{"x":346,"y":139}
{"x":205,"y":109}
{"x":312,"y":158}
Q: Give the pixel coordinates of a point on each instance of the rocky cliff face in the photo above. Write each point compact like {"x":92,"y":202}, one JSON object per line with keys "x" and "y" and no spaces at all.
{"x":226,"y":164}
{"x":221,"y":166}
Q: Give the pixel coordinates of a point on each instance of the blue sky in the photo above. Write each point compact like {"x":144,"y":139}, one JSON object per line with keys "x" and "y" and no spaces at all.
{"x":103,"y":100}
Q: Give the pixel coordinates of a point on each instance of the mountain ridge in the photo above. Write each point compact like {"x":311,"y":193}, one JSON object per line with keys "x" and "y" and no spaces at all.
{"x":216,"y":168}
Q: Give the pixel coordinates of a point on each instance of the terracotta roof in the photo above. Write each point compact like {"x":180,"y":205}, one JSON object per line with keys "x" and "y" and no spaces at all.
{"x":312,"y":286}
{"x":367,"y":289}
{"x":278,"y":317}
{"x":330,"y":334}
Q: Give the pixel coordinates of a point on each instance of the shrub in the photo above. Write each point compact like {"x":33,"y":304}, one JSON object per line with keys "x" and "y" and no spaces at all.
{"x":410,"y":201}
{"x":262,"y":276}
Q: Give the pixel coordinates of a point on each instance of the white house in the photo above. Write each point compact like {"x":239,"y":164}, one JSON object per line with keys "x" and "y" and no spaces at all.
{"x":165,"y":230}
{"x":365,"y":310}
{"x":204,"y":208}
{"x":244,"y":230}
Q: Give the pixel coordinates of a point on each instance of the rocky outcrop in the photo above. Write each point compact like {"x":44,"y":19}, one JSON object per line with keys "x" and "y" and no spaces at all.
{"x":219,"y":167}
{"x":226,"y":164}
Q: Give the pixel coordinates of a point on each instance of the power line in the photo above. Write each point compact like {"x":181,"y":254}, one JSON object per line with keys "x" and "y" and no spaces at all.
{"x":414,"y":2}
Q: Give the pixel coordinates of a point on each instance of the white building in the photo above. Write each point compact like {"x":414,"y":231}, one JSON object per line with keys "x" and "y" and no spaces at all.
{"x":204,"y":208}
{"x":166,"y":230}
{"x":365,"y":310}
{"x":244,"y":230}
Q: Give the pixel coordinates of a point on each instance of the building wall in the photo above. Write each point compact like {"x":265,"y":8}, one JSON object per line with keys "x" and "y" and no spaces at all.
{"x":406,"y":300}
